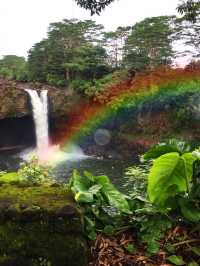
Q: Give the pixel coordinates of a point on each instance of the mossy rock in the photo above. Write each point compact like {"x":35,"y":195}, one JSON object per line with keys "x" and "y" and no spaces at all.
{"x":40,"y":225}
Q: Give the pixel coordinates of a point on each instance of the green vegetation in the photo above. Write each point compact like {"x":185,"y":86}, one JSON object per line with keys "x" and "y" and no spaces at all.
{"x":101,"y":200}
{"x":82,"y":56}
{"x":93,"y":5}
{"x":14,"y":68}
{"x":39,"y":225}
{"x":34,"y":172}
{"x":160,"y":202}
{"x":163,"y":195}
{"x":189,"y":9}
{"x":149,"y":44}
{"x":71,"y":52}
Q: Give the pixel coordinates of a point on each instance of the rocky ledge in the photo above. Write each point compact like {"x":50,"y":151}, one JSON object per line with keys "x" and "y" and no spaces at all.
{"x":14,"y":101}
{"x":40,"y":225}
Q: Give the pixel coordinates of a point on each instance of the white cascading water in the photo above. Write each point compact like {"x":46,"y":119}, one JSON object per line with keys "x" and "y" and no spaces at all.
{"x":45,"y":152}
{"x":40,"y":114}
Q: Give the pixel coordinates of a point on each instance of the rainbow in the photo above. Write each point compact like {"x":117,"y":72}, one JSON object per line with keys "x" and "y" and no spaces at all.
{"x":153,"y":88}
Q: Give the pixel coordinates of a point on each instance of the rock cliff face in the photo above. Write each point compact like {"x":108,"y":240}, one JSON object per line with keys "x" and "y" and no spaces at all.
{"x":14,"y":101}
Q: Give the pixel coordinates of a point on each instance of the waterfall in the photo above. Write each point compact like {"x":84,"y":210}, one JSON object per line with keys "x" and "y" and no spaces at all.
{"x":39,"y":104}
{"x":46,"y":152}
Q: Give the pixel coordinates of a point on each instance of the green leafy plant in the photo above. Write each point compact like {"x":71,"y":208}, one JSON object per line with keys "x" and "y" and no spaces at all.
{"x":152,"y":229}
{"x":34,"y":172}
{"x":86,"y":187}
{"x":157,"y":201}
{"x":170,"y":175}
{"x":176,"y":260}
{"x":136,"y":179}
{"x":171,"y":181}
{"x":101,"y":201}
{"x":171,"y":145}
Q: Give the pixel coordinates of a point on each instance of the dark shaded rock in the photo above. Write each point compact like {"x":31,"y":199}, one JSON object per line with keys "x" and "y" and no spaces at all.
{"x":40,"y":225}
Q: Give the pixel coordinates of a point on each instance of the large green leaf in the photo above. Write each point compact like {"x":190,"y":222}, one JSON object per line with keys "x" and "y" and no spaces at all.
{"x":95,"y":189}
{"x":159,"y":150}
{"x":80,"y":187}
{"x":84,"y":197}
{"x":189,"y":210}
{"x":189,"y":160}
{"x":193,"y":263}
{"x":172,"y":145}
{"x":78,"y":183}
{"x":177,"y":260}
{"x":169,"y":176}
{"x":114,"y":197}
{"x":196,"y":251}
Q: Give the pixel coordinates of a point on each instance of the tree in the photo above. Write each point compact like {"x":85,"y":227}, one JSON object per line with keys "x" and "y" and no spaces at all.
{"x":87,"y":63}
{"x":95,"y":6}
{"x":193,"y":65}
{"x":149,"y":44}
{"x":188,"y":34}
{"x":38,"y":61}
{"x":190,"y":9}
{"x":114,"y":42}
{"x":14,"y":67}
{"x":71,"y":51}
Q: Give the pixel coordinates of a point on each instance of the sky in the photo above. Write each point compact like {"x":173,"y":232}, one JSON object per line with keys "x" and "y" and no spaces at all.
{"x":25,"y":22}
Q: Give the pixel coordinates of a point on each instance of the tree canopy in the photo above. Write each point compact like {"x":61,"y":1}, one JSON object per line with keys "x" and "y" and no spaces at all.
{"x":70,"y":52}
{"x":149,"y":44}
{"x":83,"y":56}
{"x":14,"y":67}
{"x":190,"y":9}
{"x":95,"y":6}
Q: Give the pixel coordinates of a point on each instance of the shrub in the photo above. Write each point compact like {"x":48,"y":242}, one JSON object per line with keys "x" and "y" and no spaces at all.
{"x":34,"y":172}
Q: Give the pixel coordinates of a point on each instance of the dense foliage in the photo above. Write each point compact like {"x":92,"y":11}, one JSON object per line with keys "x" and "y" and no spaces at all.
{"x":149,"y":44}
{"x":71,"y":52}
{"x":101,"y":199}
{"x":162,"y":198}
{"x":95,"y":6}
{"x":190,"y":9}
{"x":35,"y":172}
{"x":14,"y":68}
{"x":81,"y":55}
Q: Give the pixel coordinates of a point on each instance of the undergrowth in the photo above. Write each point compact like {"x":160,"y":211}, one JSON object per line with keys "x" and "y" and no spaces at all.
{"x":161,"y":206}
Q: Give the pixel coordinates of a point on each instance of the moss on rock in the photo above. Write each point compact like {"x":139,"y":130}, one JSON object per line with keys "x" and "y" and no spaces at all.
{"x":40,"y":225}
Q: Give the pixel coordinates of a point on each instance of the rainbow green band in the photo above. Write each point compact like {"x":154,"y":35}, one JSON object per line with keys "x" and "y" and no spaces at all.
{"x":157,"y":87}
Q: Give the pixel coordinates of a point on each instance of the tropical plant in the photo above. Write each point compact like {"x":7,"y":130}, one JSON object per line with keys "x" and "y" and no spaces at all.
{"x":172,"y":145}
{"x":101,"y":201}
{"x":136,"y":180}
{"x":170,"y":175}
{"x":34,"y":172}
{"x":171,"y":181}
